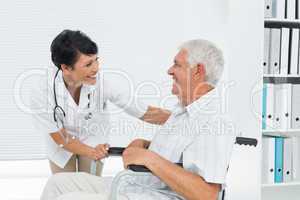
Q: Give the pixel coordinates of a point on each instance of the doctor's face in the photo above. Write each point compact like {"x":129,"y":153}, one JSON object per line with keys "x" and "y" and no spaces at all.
{"x":181,"y":73}
{"x":85,"y":69}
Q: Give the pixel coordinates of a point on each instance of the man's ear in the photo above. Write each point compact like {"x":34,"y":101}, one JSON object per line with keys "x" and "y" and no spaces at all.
{"x":201,"y":72}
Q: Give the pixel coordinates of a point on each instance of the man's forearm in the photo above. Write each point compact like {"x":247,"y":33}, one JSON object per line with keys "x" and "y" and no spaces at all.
{"x":187,"y":184}
{"x":156,"y":115}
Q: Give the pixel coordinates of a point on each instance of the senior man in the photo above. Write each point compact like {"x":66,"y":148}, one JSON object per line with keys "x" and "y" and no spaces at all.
{"x":196,"y":135}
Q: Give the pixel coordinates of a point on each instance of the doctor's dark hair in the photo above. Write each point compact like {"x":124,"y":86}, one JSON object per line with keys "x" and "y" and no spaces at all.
{"x":67,"y":45}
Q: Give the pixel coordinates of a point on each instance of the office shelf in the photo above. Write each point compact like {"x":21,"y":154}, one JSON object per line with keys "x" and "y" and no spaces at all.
{"x":282,"y":133}
{"x":280,"y":23}
{"x":281,"y":76}
{"x":276,"y":185}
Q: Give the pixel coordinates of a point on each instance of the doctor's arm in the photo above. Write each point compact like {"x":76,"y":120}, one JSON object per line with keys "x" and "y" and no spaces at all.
{"x":134,"y":106}
{"x":155,"y":115}
{"x":187,"y":184}
{"x":77,"y":147}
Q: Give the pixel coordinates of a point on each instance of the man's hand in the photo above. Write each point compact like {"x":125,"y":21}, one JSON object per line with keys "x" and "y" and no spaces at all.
{"x":99,"y":152}
{"x":136,"y":156}
{"x":140,"y":143}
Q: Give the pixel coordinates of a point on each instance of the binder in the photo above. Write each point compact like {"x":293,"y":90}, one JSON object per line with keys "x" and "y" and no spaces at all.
{"x":266,"y":62}
{"x":278,"y":160}
{"x":280,"y":8}
{"x":283,"y":107}
{"x":284,"y":54}
{"x":288,"y":106}
{"x":268,"y":161}
{"x":278,"y":103}
{"x":270,"y":97}
{"x":295,"y":158}
{"x":295,"y":106}
{"x":268,"y":8}
{"x":291,"y":9}
{"x":297,"y":9}
{"x":287,"y":159}
{"x":264,"y":107}
{"x":275,"y":51}
{"x":294,"y":52}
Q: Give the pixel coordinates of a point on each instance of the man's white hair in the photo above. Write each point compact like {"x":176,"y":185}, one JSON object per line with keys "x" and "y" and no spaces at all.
{"x":205,"y":52}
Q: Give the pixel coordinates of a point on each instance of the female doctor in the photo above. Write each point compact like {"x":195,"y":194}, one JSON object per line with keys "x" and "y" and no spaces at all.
{"x":75,"y":94}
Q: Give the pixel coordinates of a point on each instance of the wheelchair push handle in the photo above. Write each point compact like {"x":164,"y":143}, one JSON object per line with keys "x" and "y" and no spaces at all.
{"x":246,"y":141}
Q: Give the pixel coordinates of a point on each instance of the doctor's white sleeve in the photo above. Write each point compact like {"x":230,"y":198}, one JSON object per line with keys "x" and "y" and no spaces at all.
{"x":124,"y":99}
{"x":42,"y":109}
{"x":209,"y":157}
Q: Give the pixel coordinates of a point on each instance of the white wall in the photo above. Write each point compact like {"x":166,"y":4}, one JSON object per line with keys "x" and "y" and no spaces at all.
{"x":139,"y":38}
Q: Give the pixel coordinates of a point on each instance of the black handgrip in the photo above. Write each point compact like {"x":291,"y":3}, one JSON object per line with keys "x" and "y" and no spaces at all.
{"x":142,"y":168}
{"x":115,"y":151}
{"x":138,"y":168}
{"x":246,"y":141}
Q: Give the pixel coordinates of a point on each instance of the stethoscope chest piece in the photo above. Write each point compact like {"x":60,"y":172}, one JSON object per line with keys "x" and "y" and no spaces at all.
{"x":88,"y":116}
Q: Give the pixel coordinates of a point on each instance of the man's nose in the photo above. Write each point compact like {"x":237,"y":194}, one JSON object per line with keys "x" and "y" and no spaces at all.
{"x":170,"y":71}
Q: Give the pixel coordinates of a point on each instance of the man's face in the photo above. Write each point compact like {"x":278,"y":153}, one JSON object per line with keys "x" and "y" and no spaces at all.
{"x":181,"y":73}
{"x":85,"y":69}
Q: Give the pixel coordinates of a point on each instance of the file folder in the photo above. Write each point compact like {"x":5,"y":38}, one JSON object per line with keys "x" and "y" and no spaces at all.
{"x":287,"y":159}
{"x":270,"y":106}
{"x":280,"y":8}
{"x":283,"y":107}
{"x":264,"y":107}
{"x":275,"y":51}
{"x":288,"y":112}
{"x":296,"y":106}
{"x":268,"y":8}
{"x":266,"y":62}
{"x":278,"y":106}
{"x":284,"y":54}
{"x":291,"y":9}
{"x":295,"y":159}
{"x":294,"y":52}
{"x":268,"y":161}
{"x":278,"y":160}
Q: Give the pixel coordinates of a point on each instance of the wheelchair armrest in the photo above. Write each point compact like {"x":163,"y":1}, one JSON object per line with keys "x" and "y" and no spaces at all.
{"x":246,"y":141}
{"x":115,"y":151}
{"x":138,"y":168}
{"x":142,"y":168}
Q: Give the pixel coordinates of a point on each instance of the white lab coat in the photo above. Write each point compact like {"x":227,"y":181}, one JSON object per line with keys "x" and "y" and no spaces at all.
{"x":92,"y":131}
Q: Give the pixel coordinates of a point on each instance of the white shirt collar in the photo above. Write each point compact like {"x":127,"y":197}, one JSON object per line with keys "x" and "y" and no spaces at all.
{"x":202,"y":103}
{"x":62,"y":91}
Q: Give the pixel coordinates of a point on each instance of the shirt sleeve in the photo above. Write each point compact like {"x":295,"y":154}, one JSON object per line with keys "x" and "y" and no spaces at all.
{"x":124,"y":99}
{"x":209,"y":156}
{"x":42,"y":105}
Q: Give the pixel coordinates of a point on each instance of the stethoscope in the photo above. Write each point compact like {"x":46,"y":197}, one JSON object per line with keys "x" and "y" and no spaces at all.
{"x":58,"y":112}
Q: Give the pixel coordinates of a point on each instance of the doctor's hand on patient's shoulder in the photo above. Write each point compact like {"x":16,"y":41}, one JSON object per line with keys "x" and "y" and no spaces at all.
{"x":141,"y":143}
{"x":137,"y":156}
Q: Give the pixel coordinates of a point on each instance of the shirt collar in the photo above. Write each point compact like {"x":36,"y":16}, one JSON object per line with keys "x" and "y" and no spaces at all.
{"x":62,"y":91}
{"x":204,"y":103}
